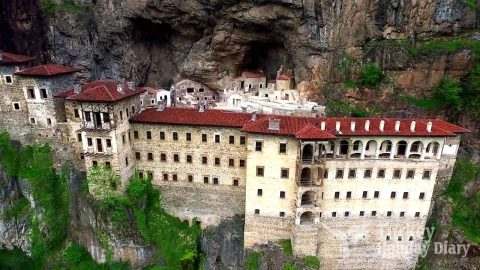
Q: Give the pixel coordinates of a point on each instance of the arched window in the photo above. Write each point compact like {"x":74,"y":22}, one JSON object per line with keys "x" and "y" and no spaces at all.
{"x":416,"y":147}
{"x":386,"y":146}
{"x":371,"y":148}
{"x":432,"y":148}
{"x":356,"y":149}
{"x":305,"y":177}
{"x":343,"y":147}
{"x":307,"y":153}
{"x":401,"y":149}
{"x":306,"y":218}
{"x":308,"y":198}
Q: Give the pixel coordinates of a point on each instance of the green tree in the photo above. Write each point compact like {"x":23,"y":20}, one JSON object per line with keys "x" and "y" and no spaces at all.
{"x":102,"y":182}
{"x":371,"y":75}
{"x":471,"y":93}
{"x":447,"y":94}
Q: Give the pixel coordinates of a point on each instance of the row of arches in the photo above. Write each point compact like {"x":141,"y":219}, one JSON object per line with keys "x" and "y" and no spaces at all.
{"x":370,"y":149}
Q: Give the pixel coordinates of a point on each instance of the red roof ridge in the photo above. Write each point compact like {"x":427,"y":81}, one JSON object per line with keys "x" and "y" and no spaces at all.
{"x":104,"y":91}
{"x":9,"y":58}
{"x":47,"y":70}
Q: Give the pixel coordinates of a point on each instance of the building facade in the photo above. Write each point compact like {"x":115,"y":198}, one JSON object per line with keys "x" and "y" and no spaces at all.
{"x":356,"y":192}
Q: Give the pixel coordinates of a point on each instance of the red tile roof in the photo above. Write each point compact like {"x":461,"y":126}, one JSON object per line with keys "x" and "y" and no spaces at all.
{"x":303,"y":128}
{"x":253,"y":74}
{"x":284,"y":77}
{"x":104,"y":91}
{"x":47,"y":70}
{"x":11,"y":58}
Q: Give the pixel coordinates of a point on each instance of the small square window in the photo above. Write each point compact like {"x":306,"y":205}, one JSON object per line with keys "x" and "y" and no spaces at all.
{"x":393,"y":195}
{"x":205,"y":180}
{"x":162,"y":135}
{"x":284,"y":172}
{"x":137,"y":156}
{"x":189,"y":159}
{"x":16,"y":106}
{"x":150,"y":174}
{"x":140,"y":174}
{"x":334,"y":214}
{"x":8,"y":79}
{"x":397,"y":173}
{"x":257,"y":211}
{"x":217,"y":138}
{"x":381,"y":173}
{"x":174,"y":177}
{"x":204,"y":138}
{"x":108,"y":165}
{"x":176,"y":157}
{"x":365,"y":194}
{"x":231,"y":162}
{"x":352,"y":173}
{"x":349,"y":195}
{"x":235,"y":182}
{"x":165,"y":177}
{"x":190,"y":178}
{"x":259,"y":192}
{"x":410,"y":174}
{"x":346,"y":214}
{"x":215,"y":181}
{"x":33,"y":121}
{"x":387,"y":238}
{"x":283,"y":148}
{"x":367,"y":173}
{"x":337,"y":195}
{"x":163,"y":157}
{"x":204,"y":160}
{"x":217,"y":161}
{"x":258,"y":146}
{"x":374,"y":213}
{"x":376,"y":194}
{"x":389,"y":213}
{"x":402,"y":214}
{"x":94,"y":163}
{"x":417,"y":214}
{"x":188,"y":137}
{"x":31,"y":93}
{"x":43,"y":93}
{"x":282,"y":194}
{"x":76,"y":113}
{"x":339,"y":174}
{"x":362,"y":213}
{"x":89,"y":142}
{"x":231,"y":139}
{"x":405,"y":195}
{"x":282,"y":214}
{"x":422,"y":196}
{"x":260,"y":171}
{"x":426,"y":174}
{"x":109,"y":143}
{"x":149,"y":135}
{"x":150,"y":156}
{"x":242,"y":163}
{"x":242,"y":140}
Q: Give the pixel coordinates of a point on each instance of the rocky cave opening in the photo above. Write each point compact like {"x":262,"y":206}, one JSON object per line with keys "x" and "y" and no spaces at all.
{"x":268,"y":56}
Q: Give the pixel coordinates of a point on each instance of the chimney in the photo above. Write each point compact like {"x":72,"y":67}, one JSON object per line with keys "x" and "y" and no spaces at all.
{"x":77,"y":88}
{"x":382,"y":125}
{"x":274,"y":124}
{"x":120,"y":87}
{"x":322,"y":125}
{"x":429,"y":126}
{"x":367,"y":125}
{"x":337,"y":126}
{"x":352,"y":126}
{"x":254,"y":116}
{"x":131,"y":85}
{"x":397,"y":126}
{"x":412,"y":126}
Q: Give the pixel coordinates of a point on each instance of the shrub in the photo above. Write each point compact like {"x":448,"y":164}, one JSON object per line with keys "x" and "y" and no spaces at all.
{"x":311,"y":262}
{"x":289,"y":266}
{"x":371,"y":75}
{"x":286,"y":245}
{"x":102,"y":182}
{"x":252,"y":262}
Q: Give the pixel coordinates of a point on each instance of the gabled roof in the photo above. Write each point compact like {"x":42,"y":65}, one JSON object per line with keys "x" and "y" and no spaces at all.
{"x":48,"y":70}
{"x":103,"y":91}
{"x":303,"y":128}
{"x":12,"y":59}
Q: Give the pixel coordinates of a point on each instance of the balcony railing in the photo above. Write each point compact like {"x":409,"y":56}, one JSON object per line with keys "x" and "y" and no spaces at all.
{"x":95,"y":125}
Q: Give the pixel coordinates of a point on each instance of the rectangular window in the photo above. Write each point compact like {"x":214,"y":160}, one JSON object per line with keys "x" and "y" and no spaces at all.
{"x":410,"y":174}
{"x":367,"y":173}
{"x":124,"y":141}
{"x":283,"y":148}
{"x":389,"y":213}
{"x":188,"y":136}
{"x":31,"y":93}
{"x":76,"y":113}
{"x":242,"y":140}
{"x":175,"y":136}
{"x":217,"y":161}
{"x":381,"y":173}
{"x":393,"y":195}
{"x":352,"y":173}
{"x":204,"y":160}
{"x":405,"y":195}
{"x":16,"y":106}
{"x":106,"y":117}
{"x":215,"y":181}
{"x":89,"y":142}
{"x":339,"y":174}
{"x":165,"y":177}
{"x":205,"y":179}
{"x":204,"y":138}
{"x":149,"y":135}
{"x":258,"y":146}
{"x":137,"y":156}
{"x":126,"y":161}
{"x":189,"y":159}
{"x":8,"y":79}
{"x":417,"y":214}
{"x":121,"y":115}
{"x":135,"y":134}
{"x":282,"y":194}
{"x":422,"y":196}
{"x":282,"y":214}
{"x":190,"y":178}
{"x":362,"y":213}
{"x":334,"y":214}
{"x":397,"y":173}
{"x":108,"y":165}
{"x":231,"y":162}
{"x":346,"y":214}
{"x":349,"y":195}
{"x":235,"y":182}
{"x":365,"y":194}
{"x":284,"y":172}
{"x":242,"y":163}
{"x":217,"y":138}
{"x":150,"y":156}
{"x":426,"y":174}
{"x":174,"y":177}
{"x":162,"y":135}
{"x":376,"y":194}
{"x":109,"y":143}
{"x":260,"y":171}
{"x":176,"y":157}
{"x":94,"y":163}
{"x":150,"y":174}
{"x":402,"y":214}
{"x":43,"y":93}
{"x":257,"y":211}
{"x":374,"y":213}
{"x":337,"y":195}
{"x":231,"y":139}
{"x":163,"y":157}
{"x":88,"y":118}
{"x":79,"y":137}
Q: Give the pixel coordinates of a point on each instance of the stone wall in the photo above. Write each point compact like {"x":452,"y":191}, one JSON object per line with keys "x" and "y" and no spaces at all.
{"x":262,"y":229}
